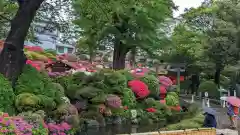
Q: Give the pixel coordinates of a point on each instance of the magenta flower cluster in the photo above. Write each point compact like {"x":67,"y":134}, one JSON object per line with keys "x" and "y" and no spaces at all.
{"x":59,"y":129}
{"x":18,"y":126}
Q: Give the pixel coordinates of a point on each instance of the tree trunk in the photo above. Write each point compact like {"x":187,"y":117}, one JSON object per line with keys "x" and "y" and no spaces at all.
{"x":12,"y":57}
{"x":217,"y":76}
{"x":119,"y":55}
{"x":132,"y":57}
{"x":91,"y":54}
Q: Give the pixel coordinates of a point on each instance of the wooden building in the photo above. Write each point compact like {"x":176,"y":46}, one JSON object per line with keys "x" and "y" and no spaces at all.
{"x":61,"y":66}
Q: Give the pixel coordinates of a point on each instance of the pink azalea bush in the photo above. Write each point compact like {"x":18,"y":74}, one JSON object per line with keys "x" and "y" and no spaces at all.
{"x":33,"y":48}
{"x":17,"y":126}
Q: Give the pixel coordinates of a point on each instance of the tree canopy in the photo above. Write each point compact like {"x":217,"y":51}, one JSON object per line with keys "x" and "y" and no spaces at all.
{"x":126,"y":24}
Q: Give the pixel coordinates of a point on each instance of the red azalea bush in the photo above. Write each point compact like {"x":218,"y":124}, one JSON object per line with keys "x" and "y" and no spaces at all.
{"x":152,"y":110}
{"x":139,"y":88}
{"x":35,"y":65}
{"x":34,"y":48}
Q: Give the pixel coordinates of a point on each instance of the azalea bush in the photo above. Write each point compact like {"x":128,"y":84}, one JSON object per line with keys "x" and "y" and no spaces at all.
{"x":109,"y":94}
{"x":172,"y":99}
{"x":153,"y":84}
{"x":18,"y":126}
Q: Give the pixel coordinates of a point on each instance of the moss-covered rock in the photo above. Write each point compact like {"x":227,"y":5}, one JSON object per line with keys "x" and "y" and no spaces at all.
{"x":7,"y":96}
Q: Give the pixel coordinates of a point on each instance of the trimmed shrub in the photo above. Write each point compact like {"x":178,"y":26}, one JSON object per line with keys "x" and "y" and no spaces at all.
{"x":7,"y":96}
{"x":153,"y":84}
{"x":172,"y":99}
{"x":129,"y":98}
{"x":211,"y":88}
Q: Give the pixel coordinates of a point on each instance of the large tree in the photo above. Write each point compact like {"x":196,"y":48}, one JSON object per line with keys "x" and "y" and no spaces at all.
{"x":19,"y":15}
{"x":12,"y":58}
{"x":218,"y":21}
{"x":125,"y":23}
{"x":224,"y":42}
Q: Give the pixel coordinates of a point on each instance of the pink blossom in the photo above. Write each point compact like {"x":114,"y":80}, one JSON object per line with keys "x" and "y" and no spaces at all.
{"x":65,"y":126}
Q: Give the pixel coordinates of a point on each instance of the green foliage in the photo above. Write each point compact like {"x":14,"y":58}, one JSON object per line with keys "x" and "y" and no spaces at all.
{"x":7,"y":10}
{"x":153,"y":84}
{"x":51,"y":51}
{"x":224,"y":81}
{"x":103,"y":20}
{"x":187,"y":45}
{"x":223,"y":41}
{"x":63,"y":80}
{"x":27,"y":102}
{"x":172,"y":99}
{"x":127,"y":74}
{"x":195,"y":122}
{"x":101,"y":98}
{"x":32,"y":117}
{"x":207,"y":86}
{"x":116,"y":82}
{"x":211,"y":88}
{"x":41,"y":92}
{"x":7,"y":96}
{"x":129,"y":98}
{"x":58,"y":87}
{"x":47,"y":103}
{"x":88,"y":92}
{"x":30,"y":81}
{"x":92,"y":115}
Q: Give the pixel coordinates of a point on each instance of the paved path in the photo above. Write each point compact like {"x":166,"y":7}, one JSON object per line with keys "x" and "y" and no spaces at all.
{"x":222,"y":119}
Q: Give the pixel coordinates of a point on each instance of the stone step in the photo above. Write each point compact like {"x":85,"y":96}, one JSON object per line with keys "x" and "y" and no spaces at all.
{"x":226,"y":132}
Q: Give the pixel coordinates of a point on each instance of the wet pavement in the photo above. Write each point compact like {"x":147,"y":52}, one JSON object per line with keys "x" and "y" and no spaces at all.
{"x":223,"y":122}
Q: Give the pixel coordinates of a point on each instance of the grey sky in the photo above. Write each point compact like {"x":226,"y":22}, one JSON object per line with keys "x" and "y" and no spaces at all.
{"x":185,"y":4}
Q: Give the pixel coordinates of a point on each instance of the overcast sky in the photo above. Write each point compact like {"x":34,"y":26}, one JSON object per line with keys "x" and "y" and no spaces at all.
{"x":185,"y":4}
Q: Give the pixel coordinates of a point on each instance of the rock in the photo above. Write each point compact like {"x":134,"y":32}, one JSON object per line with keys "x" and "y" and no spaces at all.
{"x":117,"y":120}
{"x":226,"y":132}
{"x":108,"y":120}
{"x":81,"y":105}
{"x":92,"y":123}
{"x":102,"y":123}
{"x":134,"y":121}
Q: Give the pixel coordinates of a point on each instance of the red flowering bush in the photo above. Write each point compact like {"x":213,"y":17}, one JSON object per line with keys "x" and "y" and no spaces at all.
{"x":34,"y":48}
{"x":139,"y":88}
{"x":35,"y":65}
{"x":152,"y":110}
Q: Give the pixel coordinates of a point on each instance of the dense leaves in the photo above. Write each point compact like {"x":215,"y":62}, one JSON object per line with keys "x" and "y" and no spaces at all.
{"x":124,"y":24}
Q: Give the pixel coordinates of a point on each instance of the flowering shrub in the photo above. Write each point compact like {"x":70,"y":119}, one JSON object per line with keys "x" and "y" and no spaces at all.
{"x":113,"y":101}
{"x":18,"y":126}
{"x":139,"y":88}
{"x":152,"y":110}
{"x":33,"y":48}
{"x":153,"y":84}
